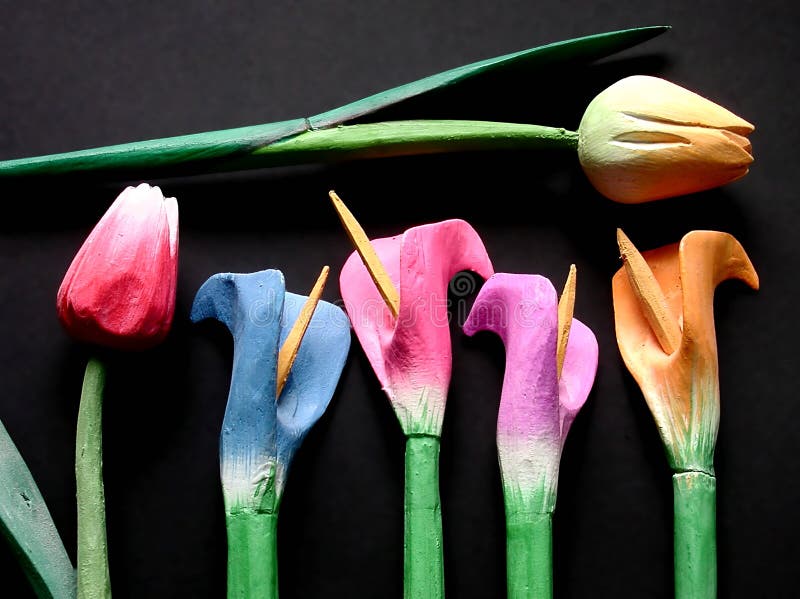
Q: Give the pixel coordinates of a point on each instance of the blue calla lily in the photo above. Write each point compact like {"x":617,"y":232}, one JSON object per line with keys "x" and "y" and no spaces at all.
{"x":261,"y":433}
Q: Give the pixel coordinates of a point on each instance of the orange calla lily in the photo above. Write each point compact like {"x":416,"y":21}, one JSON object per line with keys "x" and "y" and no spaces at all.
{"x":682,"y":387}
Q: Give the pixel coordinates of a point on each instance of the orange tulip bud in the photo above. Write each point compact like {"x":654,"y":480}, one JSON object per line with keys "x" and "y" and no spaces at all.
{"x":645,"y":139}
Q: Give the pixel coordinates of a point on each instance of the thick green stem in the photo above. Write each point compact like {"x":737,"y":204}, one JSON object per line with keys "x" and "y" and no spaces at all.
{"x":529,"y":556}
{"x":293,"y":142}
{"x":695,"y":535}
{"x":423,"y":572}
{"x":401,"y":138}
{"x":93,"y":576}
{"x":252,"y":555}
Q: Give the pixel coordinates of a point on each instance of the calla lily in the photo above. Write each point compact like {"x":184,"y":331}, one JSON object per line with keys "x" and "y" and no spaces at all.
{"x":681,"y":386}
{"x":411,"y":355}
{"x":645,"y":138}
{"x":262,"y":432}
{"x":537,"y":408}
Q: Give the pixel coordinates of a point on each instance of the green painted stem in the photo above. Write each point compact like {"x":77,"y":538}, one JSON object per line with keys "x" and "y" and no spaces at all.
{"x":529,"y":556}
{"x":294,"y":142}
{"x":423,"y":571}
{"x":93,"y":576}
{"x":695,"y":535}
{"x":252,"y":555}
{"x":402,"y":138}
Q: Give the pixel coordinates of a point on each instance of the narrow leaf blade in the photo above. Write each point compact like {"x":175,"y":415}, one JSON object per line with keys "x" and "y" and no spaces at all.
{"x":26,"y":522}
{"x":588,"y":48}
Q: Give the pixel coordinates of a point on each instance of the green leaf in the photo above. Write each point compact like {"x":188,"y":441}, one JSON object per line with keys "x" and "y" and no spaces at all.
{"x":26,"y":523}
{"x":588,"y":48}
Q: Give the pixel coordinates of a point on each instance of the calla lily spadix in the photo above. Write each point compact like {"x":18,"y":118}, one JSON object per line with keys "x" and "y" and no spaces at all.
{"x":664,"y":313}
{"x":537,"y":407}
{"x":262,"y":430}
{"x":411,"y":356}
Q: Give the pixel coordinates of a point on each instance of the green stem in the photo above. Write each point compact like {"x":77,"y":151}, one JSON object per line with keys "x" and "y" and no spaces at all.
{"x":93,"y":576}
{"x":252,"y":555}
{"x":401,"y":138}
{"x":529,"y":556}
{"x":695,"y":535}
{"x":293,"y":142}
{"x":423,"y":571}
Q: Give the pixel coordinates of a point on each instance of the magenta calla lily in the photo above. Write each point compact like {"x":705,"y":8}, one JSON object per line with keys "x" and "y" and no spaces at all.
{"x":536,"y":407}
{"x":411,"y":355}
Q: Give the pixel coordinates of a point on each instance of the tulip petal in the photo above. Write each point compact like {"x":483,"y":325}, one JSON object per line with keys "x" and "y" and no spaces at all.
{"x":119,"y":290}
{"x":412,"y":355}
{"x":662,"y":101}
{"x":250,"y":305}
{"x":313,"y":378}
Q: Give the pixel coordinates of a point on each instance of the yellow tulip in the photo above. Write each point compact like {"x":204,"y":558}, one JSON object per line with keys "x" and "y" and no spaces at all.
{"x":645,"y":139}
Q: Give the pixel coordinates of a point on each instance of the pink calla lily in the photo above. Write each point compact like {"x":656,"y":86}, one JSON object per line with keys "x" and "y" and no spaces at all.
{"x":536,"y":406}
{"x":411,"y":355}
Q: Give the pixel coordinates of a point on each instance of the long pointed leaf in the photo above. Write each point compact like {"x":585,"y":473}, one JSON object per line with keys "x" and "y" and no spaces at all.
{"x":26,"y":522}
{"x":588,"y":48}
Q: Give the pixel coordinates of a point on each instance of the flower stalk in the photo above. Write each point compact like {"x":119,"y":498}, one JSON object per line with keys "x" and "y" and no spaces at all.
{"x":529,"y":555}
{"x":695,"y":505}
{"x":423,"y":563}
{"x":93,"y":575}
{"x":252,"y":554}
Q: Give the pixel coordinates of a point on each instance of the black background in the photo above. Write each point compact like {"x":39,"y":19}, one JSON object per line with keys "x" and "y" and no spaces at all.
{"x":81,"y":74}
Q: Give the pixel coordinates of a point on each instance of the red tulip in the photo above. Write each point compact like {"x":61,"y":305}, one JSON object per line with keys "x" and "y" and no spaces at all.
{"x":119,"y":290}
